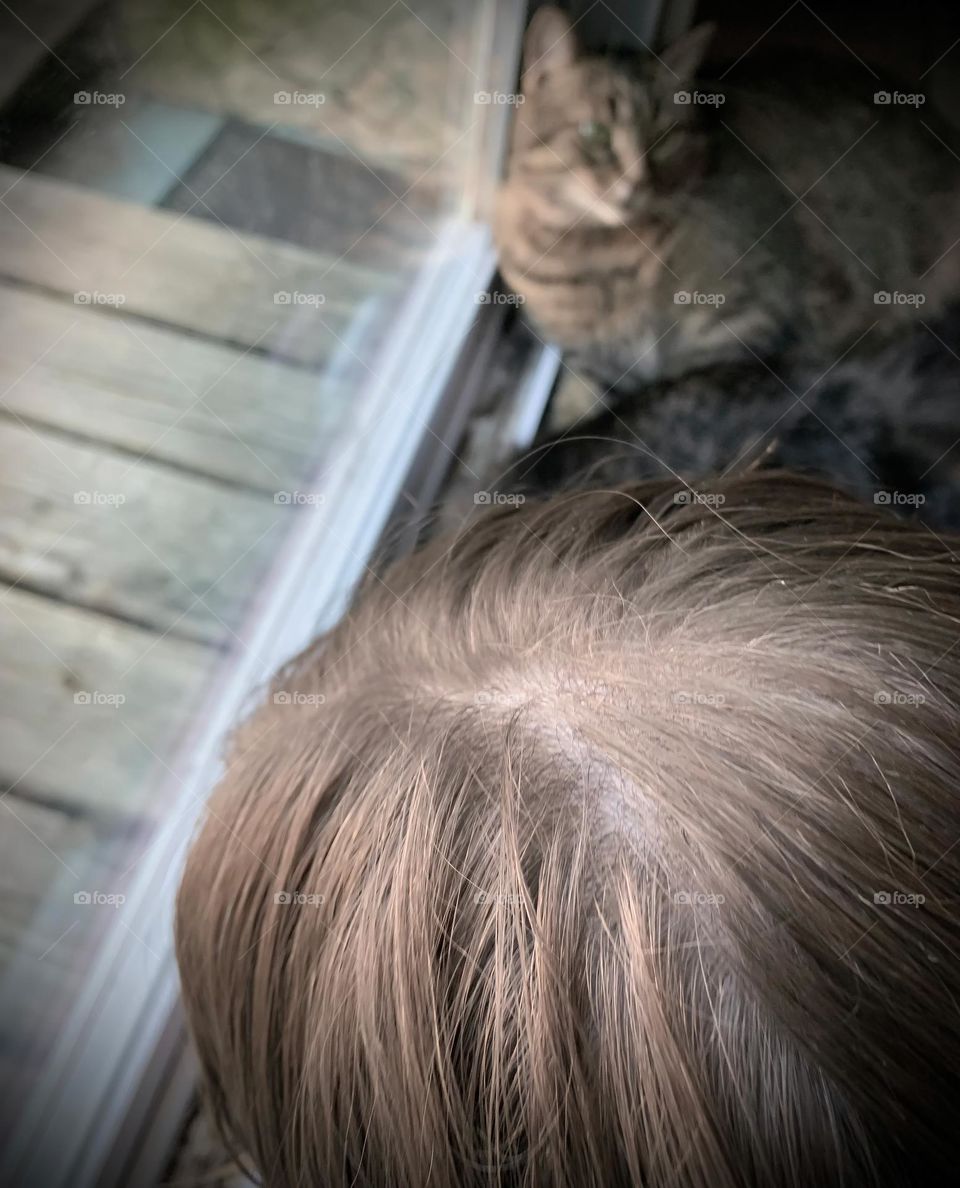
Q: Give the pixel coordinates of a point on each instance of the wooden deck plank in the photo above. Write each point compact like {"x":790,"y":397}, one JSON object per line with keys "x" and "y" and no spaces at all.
{"x":46,"y":857}
{"x":46,"y":938}
{"x":260,"y":423}
{"x":180,"y":270}
{"x":131,"y":539}
{"x":65,"y":735}
{"x":390,"y":77}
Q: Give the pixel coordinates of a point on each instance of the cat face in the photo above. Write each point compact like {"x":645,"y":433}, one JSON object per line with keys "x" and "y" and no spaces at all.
{"x":597,"y":142}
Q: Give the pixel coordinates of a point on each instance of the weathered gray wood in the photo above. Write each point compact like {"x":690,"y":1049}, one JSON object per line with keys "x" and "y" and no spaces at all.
{"x":64,"y":734}
{"x":131,"y":539}
{"x":394,"y":77}
{"x":179,"y":269}
{"x":46,"y":857}
{"x":46,"y":938}
{"x":260,"y":423}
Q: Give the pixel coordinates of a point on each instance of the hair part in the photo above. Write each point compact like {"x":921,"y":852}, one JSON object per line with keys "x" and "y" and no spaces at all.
{"x":611,"y":842}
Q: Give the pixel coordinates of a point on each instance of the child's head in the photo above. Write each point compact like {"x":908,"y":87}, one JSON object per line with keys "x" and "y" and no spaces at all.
{"x":615,"y":842}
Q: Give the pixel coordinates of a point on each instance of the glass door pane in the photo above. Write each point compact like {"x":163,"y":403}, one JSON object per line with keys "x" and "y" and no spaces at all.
{"x":226,"y":227}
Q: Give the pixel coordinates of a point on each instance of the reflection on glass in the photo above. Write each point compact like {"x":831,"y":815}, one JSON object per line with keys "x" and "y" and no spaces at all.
{"x":210,"y":215}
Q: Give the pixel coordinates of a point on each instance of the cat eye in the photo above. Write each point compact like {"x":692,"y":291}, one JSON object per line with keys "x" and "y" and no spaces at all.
{"x":595,"y":135}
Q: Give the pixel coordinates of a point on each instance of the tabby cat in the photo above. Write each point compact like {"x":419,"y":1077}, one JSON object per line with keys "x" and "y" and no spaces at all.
{"x":653,"y":226}
{"x":885,"y":425}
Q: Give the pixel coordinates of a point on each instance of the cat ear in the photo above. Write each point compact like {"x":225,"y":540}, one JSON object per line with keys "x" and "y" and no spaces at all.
{"x":681,"y":61}
{"x":549,"y":44}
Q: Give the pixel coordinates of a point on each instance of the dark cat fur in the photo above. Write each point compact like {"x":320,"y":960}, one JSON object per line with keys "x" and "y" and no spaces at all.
{"x":884,"y":427}
{"x":776,"y":225}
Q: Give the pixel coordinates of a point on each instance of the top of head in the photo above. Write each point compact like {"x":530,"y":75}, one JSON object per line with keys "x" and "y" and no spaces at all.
{"x":595,"y":803}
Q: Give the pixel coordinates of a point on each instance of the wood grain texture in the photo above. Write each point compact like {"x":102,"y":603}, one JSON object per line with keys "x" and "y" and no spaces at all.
{"x":180,"y":270}
{"x":47,"y":939}
{"x":150,"y":390}
{"x":65,"y":735}
{"x":396,"y":80}
{"x":131,"y":539}
{"x":46,"y":858}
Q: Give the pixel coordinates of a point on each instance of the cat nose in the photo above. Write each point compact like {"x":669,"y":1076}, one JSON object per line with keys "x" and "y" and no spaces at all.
{"x":635,"y":172}
{"x":621,"y":190}
{"x":624,"y":188}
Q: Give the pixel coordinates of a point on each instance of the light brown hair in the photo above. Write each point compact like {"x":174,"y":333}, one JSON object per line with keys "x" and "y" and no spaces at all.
{"x":612,"y":842}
